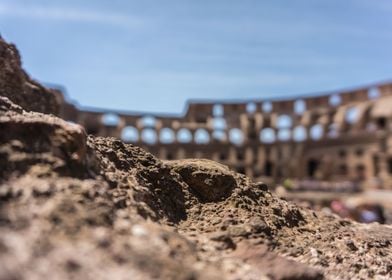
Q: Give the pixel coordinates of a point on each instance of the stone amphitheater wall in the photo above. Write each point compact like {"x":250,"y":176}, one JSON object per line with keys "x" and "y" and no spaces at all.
{"x":337,"y":136}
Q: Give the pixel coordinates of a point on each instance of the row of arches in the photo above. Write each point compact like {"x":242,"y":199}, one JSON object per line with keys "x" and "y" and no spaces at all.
{"x":234,"y":136}
{"x":167,"y":136}
{"x":342,"y":169}
{"x":299,"y":106}
{"x":113,"y":119}
{"x":219,"y":123}
{"x":298,"y":134}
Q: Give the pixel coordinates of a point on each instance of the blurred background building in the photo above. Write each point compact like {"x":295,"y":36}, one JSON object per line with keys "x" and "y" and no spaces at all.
{"x":337,"y":137}
{"x":317,"y":150}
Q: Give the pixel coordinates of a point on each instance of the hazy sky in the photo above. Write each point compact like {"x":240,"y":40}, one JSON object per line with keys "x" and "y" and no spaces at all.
{"x":154,"y":55}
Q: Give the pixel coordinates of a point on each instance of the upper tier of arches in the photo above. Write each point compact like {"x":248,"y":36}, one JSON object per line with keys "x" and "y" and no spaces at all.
{"x":300,"y":119}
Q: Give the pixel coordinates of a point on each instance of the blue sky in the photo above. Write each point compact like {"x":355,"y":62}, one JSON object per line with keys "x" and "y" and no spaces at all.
{"x":155,"y":55}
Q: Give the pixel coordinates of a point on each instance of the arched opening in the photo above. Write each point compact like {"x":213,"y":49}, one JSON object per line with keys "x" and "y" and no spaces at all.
{"x":219,"y":135}
{"x":312,"y":168}
{"x":342,"y":153}
{"x":202,"y":136}
{"x":373,"y":93}
{"x":149,"y":136}
{"x":299,"y":107}
{"x":240,"y":156}
{"x":268,"y":168}
{"x":169,"y":156}
{"x":299,"y":134}
{"x":335,"y":100}
{"x":284,"y":135}
{"x":381,"y":123}
{"x":267,"y":135}
{"x":219,"y":124}
{"x":236,"y":136}
{"x":166,"y":136}
{"x":342,"y":170}
{"x":351,"y":115}
{"x":359,"y":152}
{"x":110,"y":119}
{"x":217,"y":110}
{"x":316,"y":132}
{"x":130,"y":134}
{"x":267,"y":107}
{"x":222,"y":156}
{"x":251,"y":107}
{"x":361,"y":172}
{"x":284,"y":121}
{"x":184,"y":135}
{"x":148,"y":121}
{"x":333,"y":131}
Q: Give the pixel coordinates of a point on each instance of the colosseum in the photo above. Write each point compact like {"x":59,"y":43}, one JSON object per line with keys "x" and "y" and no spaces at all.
{"x":334,"y":137}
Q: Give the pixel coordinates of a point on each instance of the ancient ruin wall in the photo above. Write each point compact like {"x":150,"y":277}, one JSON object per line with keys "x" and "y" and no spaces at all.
{"x":337,"y":136}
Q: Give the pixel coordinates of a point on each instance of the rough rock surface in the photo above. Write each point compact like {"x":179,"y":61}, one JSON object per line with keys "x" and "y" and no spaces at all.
{"x":209,"y":180}
{"x":74,"y":206}
{"x":20,"y":88}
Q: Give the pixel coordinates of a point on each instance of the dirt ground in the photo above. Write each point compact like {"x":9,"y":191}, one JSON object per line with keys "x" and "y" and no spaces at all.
{"x":74,"y":206}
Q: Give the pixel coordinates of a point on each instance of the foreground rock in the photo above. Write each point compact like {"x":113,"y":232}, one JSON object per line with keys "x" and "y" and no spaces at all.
{"x":20,"y":88}
{"x":74,"y":206}
{"x":85,"y":207}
